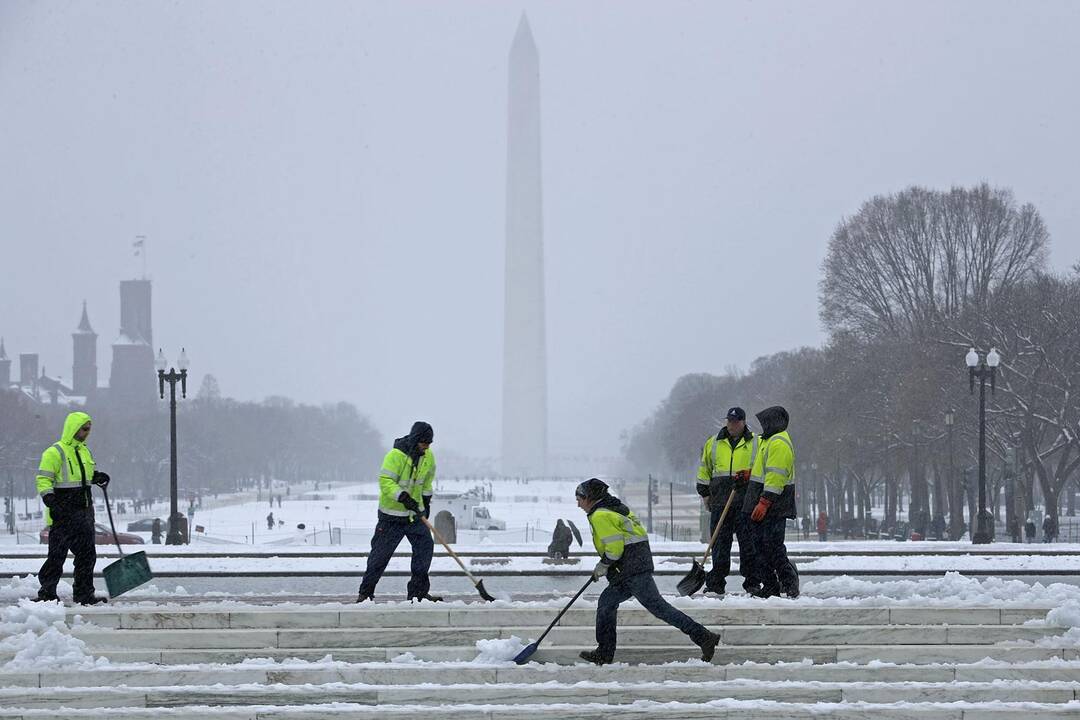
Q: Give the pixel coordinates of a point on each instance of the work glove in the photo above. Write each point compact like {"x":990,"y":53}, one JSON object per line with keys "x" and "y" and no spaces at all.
{"x":49,"y":500}
{"x":427,"y":508}
{"x":407,"y":500}
{"x":600,"y":570}
{"x":101,"y":479}
{"x":742,"y":477}
{"x":760,"y":509}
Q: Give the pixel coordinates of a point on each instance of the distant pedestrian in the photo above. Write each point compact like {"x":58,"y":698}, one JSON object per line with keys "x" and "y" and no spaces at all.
{"x":279,"y":500}
{"x":1029,"y":530}
{"x":270,"y":521}
{"x":823,"y":526}
{"x":1050,"y":528}
{"x":155,"y":531}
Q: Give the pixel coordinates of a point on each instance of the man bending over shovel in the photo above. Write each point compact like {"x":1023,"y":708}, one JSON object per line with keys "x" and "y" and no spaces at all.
{"x":626,"y":562}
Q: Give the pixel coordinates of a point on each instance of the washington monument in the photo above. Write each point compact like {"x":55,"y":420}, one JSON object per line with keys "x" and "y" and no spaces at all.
{"x":524,"y":431}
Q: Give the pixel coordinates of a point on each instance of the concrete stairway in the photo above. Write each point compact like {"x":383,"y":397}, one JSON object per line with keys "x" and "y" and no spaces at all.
{"x":782,"y":659}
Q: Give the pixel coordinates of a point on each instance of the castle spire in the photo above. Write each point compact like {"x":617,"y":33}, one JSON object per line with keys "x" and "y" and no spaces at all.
{"x":84,"y":324}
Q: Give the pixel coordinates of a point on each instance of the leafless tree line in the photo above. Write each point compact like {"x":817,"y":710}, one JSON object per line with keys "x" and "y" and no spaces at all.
{"x":908,"y":285}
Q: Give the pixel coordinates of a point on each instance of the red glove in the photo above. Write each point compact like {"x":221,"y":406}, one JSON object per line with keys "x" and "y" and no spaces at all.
{"x":742,"y":476}
{"x":760,"y":509}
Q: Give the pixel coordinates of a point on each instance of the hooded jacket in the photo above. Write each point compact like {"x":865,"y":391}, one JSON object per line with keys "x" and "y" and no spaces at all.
{"x":66,"y":470}
{"x":620,"y":539}
{"x":719,"y":463}
{"x":407,"y":469}
{"x":774,"y":468}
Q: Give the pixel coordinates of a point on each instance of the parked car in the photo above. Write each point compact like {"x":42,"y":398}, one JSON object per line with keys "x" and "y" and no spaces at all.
{"x":144,"y":525}
{"x":102,"y":536}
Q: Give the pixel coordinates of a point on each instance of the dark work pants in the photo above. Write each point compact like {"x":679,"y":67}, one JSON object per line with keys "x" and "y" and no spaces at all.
{"x":72,"y":529}
{"x":771,"y":564}
{"x":643,"y":588}
{"x":736,"y":524}
{"x":388,"y":534}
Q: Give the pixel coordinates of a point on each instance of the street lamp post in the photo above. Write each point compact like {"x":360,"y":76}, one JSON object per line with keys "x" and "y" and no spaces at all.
{"x":977,"y":368}
{"x":175,"y":535}
{"x":956,"y":500}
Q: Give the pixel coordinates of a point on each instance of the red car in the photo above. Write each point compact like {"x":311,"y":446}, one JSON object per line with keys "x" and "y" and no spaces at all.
{"x":102,"y":536}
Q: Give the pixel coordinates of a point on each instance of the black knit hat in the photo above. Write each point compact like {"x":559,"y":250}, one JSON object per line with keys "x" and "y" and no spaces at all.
{"x":421,"y":432}
{"x":592,"y":489}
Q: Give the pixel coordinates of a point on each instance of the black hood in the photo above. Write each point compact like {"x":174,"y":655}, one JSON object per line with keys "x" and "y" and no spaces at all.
{"x":773,"y":420}
{"x":610,"y":502}
{"x":409,"y":444}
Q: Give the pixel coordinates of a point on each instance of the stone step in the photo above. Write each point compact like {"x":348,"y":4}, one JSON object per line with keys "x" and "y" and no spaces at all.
{"x":568,"y":654}
{"x":628,"y":635}
{"x":735,"y":709}
{"x":404,"y":674}
{"x":709,"y":612}
{"x":610,"y":692}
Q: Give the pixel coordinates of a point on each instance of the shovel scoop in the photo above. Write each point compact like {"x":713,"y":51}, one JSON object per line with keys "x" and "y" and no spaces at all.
{"x":130,"y":571}
{"x":696,"y":577}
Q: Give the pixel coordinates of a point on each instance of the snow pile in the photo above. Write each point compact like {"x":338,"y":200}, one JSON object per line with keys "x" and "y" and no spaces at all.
{"x":952,"y":589}
{"x":38,"y":636}
{"x":1067,"y":616}
{"x":498,"y":650}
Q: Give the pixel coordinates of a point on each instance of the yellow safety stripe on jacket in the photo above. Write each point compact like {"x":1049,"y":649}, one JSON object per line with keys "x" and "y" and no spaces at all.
{"x":773,"y":477}
{"x":707,"y":472}
{"x":618,"y":531}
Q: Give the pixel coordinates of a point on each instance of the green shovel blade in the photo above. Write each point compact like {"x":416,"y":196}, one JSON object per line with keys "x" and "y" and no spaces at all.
{"x":127,"y":573}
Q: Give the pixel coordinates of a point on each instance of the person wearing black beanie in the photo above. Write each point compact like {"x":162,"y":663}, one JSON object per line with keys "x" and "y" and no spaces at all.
{"x":406,"y":486}
{"x":626,"y":562}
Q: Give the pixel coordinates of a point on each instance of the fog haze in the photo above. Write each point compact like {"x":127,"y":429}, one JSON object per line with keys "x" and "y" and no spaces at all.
{"x":322,"y":185}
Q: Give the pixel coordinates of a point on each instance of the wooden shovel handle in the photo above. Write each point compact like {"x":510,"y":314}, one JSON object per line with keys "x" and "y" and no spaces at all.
{"x":453,"y":554}
{"x":716,"y":531}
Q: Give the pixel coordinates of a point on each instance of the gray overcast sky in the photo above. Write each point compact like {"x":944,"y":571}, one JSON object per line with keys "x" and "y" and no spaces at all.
{"x":322,"y":184}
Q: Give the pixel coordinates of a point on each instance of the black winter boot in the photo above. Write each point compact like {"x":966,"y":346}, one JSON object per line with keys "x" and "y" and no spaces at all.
{"x":45,"y":597}
{"x":426,"y":596}
{"x":92,"y":600}
{"x":708,"y":646}
{"x":595,"y":657}
{"x":361,"y":597}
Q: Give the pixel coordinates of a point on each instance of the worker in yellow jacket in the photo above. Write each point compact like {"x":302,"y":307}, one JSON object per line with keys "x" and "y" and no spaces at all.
{"x":626,"y":562}
{"x":770,"y":502}
{"x":406,"y":486}
{"x":64,"y":477}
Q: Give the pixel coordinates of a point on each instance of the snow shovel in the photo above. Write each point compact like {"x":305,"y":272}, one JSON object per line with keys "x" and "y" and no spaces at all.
{"x":696,"y":577}
{"x":130,"y":571}
{"x":531,"y":648}
{"x":478,"y":583}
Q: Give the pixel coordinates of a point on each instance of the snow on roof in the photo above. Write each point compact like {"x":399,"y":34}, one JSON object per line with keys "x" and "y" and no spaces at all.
{"x":125,"y":339}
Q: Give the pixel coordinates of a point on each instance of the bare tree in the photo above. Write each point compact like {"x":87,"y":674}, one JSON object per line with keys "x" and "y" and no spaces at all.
{"x":906,"y":262}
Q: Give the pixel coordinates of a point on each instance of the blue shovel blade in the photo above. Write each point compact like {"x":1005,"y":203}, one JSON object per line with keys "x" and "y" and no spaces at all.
{"x":524,"y":655}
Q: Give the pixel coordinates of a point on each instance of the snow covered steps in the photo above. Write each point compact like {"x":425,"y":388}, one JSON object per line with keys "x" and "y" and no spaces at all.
{"x":779,"y":659}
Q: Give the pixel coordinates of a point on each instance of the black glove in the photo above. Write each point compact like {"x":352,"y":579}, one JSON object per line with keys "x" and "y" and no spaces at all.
{"x":101,"y":479}
{"x":427,"y":507}
{"x":49,"y":500}
{"x":407,"y":500}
